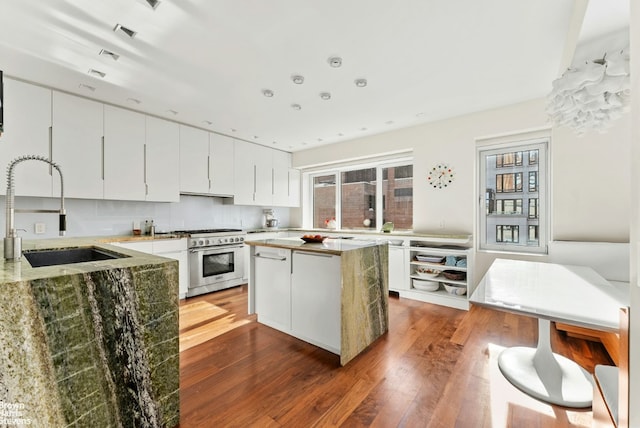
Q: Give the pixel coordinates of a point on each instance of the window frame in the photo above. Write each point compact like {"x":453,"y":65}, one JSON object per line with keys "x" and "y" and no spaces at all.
{"x":337,"y":169}
{"x":541,"y":144}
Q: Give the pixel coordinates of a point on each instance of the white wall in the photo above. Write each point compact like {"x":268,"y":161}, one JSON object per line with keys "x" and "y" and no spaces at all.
{"x":590,"y":177}
{"x":102,"y":217}
{"x":590,"y":174}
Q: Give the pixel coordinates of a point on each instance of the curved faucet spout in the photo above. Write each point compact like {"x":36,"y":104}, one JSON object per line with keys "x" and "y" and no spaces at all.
{"x":12,"y":243}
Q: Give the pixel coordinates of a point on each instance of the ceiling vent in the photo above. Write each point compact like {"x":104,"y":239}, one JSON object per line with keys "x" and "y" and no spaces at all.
{"x":104,"y":52}
{"x":153,"y":3}
{"x":88,"y":87}
{"x":97,"y":73}
{"x":129,"y":32}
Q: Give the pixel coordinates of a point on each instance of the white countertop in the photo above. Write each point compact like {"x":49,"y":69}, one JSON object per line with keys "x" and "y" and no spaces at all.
{"x":572,"y":294}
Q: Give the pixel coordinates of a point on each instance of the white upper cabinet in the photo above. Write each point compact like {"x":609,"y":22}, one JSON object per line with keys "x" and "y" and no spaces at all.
{"x":263,"y":176}
{"x":124,"y":140}
{"x":253,"y":174}
{"x":77,"y":145}
{"x":221,"y":165}
{"x":194,"y":160}
{"x":294,"y":187}
{"x":281,"y":161}
{"x":206,"y":162}
{"x":27,"y":122}
{"x":244,"y":174}
{"x":162,"y":160}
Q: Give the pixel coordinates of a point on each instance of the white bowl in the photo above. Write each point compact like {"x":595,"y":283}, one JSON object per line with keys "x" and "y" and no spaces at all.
{"x":455,"y":289}
{"x":425,"y":272}
{"x":422,"y":285}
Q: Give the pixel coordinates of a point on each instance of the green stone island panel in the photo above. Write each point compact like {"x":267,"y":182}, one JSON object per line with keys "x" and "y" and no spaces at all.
{"x":100,"y":347}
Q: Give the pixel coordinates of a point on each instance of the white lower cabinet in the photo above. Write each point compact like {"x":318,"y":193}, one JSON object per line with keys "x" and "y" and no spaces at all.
{"x":175,"y":249}
{"x":273,"y":286}
{"x":315,"y":299}
{"x":299,"y":293}
{"x":398,"y":277}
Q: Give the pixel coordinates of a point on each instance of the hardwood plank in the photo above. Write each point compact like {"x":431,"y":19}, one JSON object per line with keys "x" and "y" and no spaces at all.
{"x":437,"y":367}
{"x":197,"y":313}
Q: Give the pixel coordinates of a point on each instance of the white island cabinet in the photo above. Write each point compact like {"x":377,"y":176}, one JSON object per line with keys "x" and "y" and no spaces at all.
{"x":273,"y":286}
{"x":315,"y":299}
{"x":333,"y":295}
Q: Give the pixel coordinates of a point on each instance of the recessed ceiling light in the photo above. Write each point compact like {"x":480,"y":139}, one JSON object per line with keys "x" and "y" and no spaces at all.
{"x":325,"y":95}
{"x":335,"y":61}
{"x":97,"y":73}
{"x":420,"y":114}
{"x":85,"y":86}
{"x":129,"y":32}
{"x":363,"y":129}
{"x":267,"y":93}
{"x":360,"y":83}
{"x":104,"y":52}
{"x":296,"y":106}
{"x":255,"y":137}
{"x":234,"y":130}
{"x":134,"y":100}
{"x":208,"y":122}
{"x":340,"y":134}
{"x":389,"y":122}
{"x":173,"y":112}
{"x":320,"y":140}
{"x":297,"y":79}
{"x":153,"y":3}
{"x":274,"y":142}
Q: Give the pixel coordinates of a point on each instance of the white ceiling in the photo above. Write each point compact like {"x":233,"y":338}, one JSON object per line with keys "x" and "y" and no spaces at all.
{"x":210,"y":61}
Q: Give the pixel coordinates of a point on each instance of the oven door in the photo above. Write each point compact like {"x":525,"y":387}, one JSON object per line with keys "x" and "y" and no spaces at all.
{"x":213,"y":265}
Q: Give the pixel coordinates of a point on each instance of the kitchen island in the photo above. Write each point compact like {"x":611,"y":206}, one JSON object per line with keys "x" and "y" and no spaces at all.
{"x":90,"y":343}
{"x":333,"y":294}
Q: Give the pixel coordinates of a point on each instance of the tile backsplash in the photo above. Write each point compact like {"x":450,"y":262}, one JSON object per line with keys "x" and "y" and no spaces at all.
{"x":105,"y":217}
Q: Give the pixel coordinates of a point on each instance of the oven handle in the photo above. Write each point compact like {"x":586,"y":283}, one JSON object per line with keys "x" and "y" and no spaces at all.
{"x":260,"y":256}
{"x":222,"y":248}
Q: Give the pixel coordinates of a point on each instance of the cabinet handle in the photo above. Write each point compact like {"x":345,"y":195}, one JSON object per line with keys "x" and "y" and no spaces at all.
{"x":102,"y":150}
{"x":303,"y":253}
{"x":144,"y":163}
{"x":260,"y":256}
{"x":50,"y":149}
{"x":273,"y":182}
{"x":209,"y":169}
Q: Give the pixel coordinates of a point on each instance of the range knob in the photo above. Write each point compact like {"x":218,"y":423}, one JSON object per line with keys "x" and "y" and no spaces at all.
{"x":200,"y":242}
{"x":207,"y":242}
{"x":241,"y":239}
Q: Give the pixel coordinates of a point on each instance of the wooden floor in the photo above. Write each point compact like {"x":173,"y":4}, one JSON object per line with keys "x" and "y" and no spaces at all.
{"x":435,"y":368}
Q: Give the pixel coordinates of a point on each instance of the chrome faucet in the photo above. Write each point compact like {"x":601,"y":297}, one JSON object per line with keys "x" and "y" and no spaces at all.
{"x":12,"y":242}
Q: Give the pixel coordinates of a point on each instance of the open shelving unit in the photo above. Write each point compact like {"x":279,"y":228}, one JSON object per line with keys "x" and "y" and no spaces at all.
{"x":454,"y":258}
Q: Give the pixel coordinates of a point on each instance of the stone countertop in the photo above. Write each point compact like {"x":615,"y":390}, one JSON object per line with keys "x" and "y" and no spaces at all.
{"x":21,"y":270}
{"x":328,"y":246}
{"x":434,"y":237}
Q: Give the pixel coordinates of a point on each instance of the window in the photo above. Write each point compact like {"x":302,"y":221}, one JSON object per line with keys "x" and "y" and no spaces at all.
{"x":364,"y":197}
{"x":510,"y":206}
{"x":324,"y":199}
{"x":507,"y":233}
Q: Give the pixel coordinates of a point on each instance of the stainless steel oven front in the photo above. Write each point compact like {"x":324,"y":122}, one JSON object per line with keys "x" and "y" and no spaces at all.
{"x":213,"y":268}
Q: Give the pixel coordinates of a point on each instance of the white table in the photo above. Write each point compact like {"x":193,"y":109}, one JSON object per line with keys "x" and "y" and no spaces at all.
{"x":574,"y":295}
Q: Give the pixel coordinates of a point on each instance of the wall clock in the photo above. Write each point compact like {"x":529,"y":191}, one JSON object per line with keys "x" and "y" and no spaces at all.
{"x":440,"y":176}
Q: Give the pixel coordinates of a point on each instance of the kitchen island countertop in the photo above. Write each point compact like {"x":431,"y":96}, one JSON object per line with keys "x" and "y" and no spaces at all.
{"x":328,"y":246}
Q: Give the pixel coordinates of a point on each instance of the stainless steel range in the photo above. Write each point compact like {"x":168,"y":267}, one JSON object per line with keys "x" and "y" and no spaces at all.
{"x":216,"y":259}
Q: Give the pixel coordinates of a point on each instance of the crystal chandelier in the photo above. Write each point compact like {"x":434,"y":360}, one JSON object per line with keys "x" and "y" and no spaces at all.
{"x":589,"y":96}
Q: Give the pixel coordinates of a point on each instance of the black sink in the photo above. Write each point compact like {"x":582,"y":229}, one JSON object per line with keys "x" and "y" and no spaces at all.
{"x":39,"y":258}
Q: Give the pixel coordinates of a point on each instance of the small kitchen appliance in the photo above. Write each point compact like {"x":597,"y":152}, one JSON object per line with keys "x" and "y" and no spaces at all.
{"x":269,"y":219}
